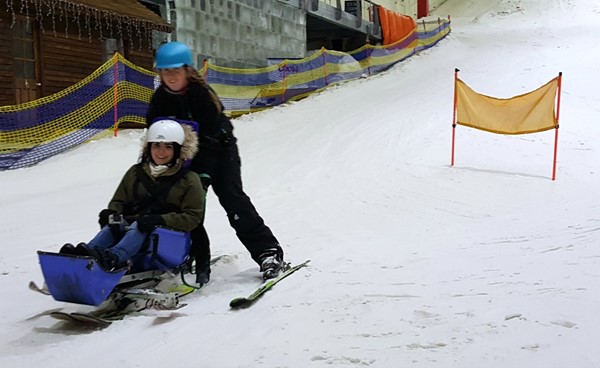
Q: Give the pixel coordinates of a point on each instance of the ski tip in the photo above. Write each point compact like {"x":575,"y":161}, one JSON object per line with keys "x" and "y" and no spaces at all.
{"x":33,"y":286}
{"x":238,"y":303}
{"x":302,"y":264}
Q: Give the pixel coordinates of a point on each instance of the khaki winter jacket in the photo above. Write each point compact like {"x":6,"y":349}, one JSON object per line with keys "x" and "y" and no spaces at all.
{"x":181,"y":205}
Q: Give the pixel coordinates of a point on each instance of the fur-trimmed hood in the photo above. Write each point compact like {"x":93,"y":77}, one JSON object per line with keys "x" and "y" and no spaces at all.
{"x":189,"y":148}
{"x":190,"y":143}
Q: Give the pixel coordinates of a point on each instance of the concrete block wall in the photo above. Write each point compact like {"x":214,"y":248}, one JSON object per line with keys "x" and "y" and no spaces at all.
{"x":239,"y":33}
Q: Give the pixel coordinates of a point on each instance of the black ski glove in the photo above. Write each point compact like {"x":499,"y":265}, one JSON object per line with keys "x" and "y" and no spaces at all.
{"x":147,"y":223}
{"x":103,"y":216}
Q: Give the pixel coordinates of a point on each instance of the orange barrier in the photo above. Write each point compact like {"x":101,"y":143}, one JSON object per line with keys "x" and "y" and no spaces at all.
{"x":395,"y":26}
{"x":385,"y":25}
{"x":408,"y":25}
{"x":393,"y":22}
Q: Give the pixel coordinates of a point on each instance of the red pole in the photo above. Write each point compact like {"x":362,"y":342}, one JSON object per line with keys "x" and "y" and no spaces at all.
{"x":556,"y":129}
{"x":115,"y":94}
{"x":454,"y":116}
{"x":205,"y":69}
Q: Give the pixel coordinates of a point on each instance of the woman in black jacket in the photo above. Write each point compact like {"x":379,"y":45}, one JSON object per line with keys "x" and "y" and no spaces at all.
{"x":183,"y":94}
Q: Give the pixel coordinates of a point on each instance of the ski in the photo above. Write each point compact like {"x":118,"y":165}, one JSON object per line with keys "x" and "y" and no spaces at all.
{"x":43,"y":290}
{"x":81,"y":319}
{"x":98,"y":318}
{"x":125,"y":303}
{"x":94,"y":320}
{"x":244,"y":302}
{"x":152,"y":294}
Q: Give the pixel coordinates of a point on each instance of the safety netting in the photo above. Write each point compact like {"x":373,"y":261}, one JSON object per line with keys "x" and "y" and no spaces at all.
{"x":119,"y":91}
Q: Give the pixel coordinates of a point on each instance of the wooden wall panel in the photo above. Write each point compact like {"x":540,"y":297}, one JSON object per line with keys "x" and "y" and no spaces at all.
{"x":65,"y":58}
{"x":66,"y":61}
{"x":140,"y":56}
{"x":7,"y":82}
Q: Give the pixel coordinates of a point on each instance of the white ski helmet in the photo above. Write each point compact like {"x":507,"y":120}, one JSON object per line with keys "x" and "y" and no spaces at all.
{"x":166,"y":131}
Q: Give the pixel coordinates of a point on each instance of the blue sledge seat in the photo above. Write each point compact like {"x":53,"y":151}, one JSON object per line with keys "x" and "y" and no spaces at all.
{"x":167,"y":250}
{"x":81,"y":280}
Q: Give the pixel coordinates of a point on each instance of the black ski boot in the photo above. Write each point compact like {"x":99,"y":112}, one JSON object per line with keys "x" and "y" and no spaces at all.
{"x":79,"y":250}
{"x":107,"y":259}
{"x":271,"y":265}
{"x":203,"y":276}
{"x":202,"y":271}
{"x":68,"y":248}
{"x":82,"y":250}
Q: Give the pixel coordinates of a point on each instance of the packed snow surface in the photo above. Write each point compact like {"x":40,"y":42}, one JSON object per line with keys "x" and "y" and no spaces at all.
{"x":487,"y":263}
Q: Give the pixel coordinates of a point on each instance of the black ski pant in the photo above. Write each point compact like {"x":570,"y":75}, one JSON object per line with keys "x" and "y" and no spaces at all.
{"x":222,"y":163}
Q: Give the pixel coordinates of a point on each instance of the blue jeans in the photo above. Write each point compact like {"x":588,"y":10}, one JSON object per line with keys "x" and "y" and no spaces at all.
{"x":124,"y":245}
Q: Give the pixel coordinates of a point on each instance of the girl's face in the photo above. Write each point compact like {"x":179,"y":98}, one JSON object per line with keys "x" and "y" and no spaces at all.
{"x":162,"y":152}
{"x":175,"y":78}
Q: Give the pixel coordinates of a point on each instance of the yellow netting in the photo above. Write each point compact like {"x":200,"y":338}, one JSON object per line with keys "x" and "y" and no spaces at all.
{"x":115,"y":92}
{"x":119,"y":91}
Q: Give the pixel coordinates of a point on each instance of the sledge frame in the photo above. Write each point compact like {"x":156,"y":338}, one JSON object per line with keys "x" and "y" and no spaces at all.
{"x":81,"y":280}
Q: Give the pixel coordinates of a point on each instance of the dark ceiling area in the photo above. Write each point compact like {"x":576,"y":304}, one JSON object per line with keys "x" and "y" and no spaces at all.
{"x":333,"y":36}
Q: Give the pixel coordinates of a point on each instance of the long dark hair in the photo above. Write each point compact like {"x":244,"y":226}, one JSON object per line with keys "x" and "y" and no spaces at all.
{"x":195,"y":77}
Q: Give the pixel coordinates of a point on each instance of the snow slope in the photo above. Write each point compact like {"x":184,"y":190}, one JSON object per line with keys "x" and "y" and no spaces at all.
{"x":415,"y":263}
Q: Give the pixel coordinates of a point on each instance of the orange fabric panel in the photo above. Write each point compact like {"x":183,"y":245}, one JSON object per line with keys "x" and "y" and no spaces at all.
{"x":394,"y":26}
{"x":385,"y":24}
{"x":527,"y":113}
{"x":405,"y":25}
{"x":392,"y":20}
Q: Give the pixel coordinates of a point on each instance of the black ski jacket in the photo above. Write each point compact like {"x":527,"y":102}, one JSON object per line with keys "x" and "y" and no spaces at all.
{"x":215,"y":131}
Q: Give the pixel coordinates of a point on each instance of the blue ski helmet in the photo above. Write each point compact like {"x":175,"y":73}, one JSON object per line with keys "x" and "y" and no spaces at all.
{"x":173,"y":55}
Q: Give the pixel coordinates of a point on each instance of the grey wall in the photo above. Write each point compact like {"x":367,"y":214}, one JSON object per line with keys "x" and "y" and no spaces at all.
{"x":408,"y":7}
{"x":239,"y":33}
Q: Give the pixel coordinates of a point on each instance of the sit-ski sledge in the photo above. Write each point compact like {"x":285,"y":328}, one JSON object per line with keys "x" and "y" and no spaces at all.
{"x":81,"y":280}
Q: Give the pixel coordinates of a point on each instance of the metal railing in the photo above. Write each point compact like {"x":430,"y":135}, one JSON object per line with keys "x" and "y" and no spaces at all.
{"x":365,"y":9}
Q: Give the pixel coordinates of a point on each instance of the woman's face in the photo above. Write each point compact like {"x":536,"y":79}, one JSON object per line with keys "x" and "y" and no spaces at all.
{"x":162,"y":152}
{"x":175,"y":78}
